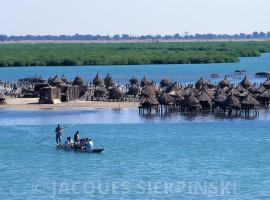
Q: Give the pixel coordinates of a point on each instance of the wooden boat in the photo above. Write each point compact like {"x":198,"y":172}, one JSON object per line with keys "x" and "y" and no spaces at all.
{"x":79,"y":150}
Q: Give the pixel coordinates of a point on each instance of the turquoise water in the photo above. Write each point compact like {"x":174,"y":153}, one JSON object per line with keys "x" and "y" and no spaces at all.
{"x":171,"y":157}
{"x":182,"y":73}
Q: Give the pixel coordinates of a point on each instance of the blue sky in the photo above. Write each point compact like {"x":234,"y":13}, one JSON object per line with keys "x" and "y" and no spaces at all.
{"x":134,"y":17}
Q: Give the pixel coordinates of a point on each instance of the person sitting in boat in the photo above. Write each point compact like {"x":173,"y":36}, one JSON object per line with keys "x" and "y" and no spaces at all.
{"x":77,"y":139}
{"x":70,"y":142}
{"x":58,"y":134}
{"x":82,"y":144}
{"x":88,"y":144}
{"x":67,"y":145}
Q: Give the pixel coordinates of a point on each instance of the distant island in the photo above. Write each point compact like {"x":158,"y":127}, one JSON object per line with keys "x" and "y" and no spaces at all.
{"x":127,"y":37}
{"x":81,"y":54}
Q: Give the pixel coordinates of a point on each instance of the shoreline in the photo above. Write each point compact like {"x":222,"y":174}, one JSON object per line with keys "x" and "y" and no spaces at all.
{"x":32,"y":104}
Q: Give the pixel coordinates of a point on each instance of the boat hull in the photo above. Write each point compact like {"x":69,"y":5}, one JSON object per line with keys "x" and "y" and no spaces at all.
{"x":80,"y":150}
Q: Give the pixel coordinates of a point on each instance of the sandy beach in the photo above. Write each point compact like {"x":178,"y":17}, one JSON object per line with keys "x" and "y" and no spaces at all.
{"x":32,"y":103}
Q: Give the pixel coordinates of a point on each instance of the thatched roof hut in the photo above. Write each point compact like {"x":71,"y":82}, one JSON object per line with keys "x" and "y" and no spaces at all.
{"x":165,"y":83}
{"x":231,"y":102}
{"x":134,"y":81}
{"x":203,"y":96}
{"x":98,"y":81}
{"x":266,"y":83}
{"x":78,"y":81}
{"x":191,"y":101}
{"x":220,"y":98}
{"x":246,"y":83}
{"x":165,"y":99}
{"x":224,"y":83}
{"x":265,"y":95}
{"x":108,"y":81}
{"x":249,"y":102}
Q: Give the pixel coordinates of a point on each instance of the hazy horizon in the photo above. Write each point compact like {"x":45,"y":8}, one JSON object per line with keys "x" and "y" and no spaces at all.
{"x":134,"y":17}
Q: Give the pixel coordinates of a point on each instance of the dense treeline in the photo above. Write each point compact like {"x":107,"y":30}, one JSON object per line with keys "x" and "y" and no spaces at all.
{"x":128,"y":53}
{"x":177,"y":36}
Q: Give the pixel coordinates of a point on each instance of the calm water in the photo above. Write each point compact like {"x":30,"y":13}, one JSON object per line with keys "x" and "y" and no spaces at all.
{"x":171,"y":157}
{"x":152,"y":157}
{"x":182,"y":73}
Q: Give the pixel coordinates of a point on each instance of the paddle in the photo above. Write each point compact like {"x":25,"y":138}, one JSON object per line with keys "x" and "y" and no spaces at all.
{"x":47,"y":137}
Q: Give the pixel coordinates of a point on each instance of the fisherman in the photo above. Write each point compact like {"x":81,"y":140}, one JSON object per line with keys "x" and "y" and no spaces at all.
{"x":58,"y":134}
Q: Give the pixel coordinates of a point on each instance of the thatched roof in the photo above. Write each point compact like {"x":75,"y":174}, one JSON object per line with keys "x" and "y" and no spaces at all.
{"x":171,"y":87}
{"x":254,"y":89}
{"x":201,"y":82}
{"x":265,"y":95}
{"x":148,"y":90}
{"x":165,"y":83}
{"x":97,"y":81}
{"x":64,"y":78}
{"x":203,"y":96}
{"x":240,"y":88}
{"x":191,"y":100}
{"x":246,"y":83}
{"x":220,"y":98}
{"x":78,"y":81}
{"x":266,"y":83}
{"x":225,"y":82}
{"x":134,"y":80}
{"x":165,"y":99}
{"x":108,"y":81}
{"x":149,"y":101}
{"x":231,"y":102}
{"x":261,"y":89}
{"x":249,"y":101}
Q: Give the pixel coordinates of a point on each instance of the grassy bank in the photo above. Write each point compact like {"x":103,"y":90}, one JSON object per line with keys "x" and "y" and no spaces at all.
{"x":128,"y":53}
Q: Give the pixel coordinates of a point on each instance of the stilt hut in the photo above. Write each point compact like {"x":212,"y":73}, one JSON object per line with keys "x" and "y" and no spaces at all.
{"x":166,"y":102}
{"x":204,"y":99}
{"x":250,"y":103}
{"x":219,"y":100}
{"x":230,"y":104}
{"x":191,"y":103}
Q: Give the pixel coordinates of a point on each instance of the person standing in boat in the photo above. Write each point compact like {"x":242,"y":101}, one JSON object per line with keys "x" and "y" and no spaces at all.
{"x":77,"y":139}
{"x":58,"y":134}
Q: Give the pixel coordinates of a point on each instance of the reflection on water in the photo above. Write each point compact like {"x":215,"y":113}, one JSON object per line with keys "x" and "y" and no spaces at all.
{"x":117,"y":116}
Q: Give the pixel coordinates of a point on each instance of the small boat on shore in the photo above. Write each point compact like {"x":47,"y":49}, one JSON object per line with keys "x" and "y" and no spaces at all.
{"x":80,"y":150}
